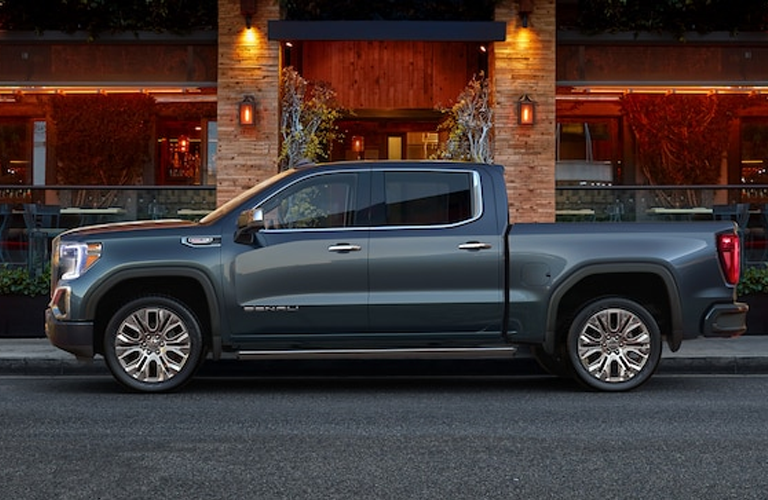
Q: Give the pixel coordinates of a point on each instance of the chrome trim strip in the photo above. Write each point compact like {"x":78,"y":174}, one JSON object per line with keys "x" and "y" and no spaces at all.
{"x":477,"y":202}
{"x":400,"y":353}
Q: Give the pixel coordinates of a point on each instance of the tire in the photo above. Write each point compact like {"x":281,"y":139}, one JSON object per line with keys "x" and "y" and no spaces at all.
{"x":613,"y":344}
{"x":153,"y":344}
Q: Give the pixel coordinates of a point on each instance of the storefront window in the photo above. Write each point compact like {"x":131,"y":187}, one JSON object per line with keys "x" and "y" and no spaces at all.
{"x":587,"y":152}
{"x":15,"y":152}
{"x":381,"y":138}
{"x":180,"y":153}
{"x":754,"y":152}
{"x":754,"y":160}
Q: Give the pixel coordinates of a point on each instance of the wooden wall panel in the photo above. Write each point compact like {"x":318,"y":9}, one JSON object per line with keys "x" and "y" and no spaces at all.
{"x":391,"y":74}
{"x":658,"y":64}
{"x":70,"y":63}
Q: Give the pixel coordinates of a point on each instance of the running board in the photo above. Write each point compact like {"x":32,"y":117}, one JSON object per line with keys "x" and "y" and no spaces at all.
{"x":420,"y":353}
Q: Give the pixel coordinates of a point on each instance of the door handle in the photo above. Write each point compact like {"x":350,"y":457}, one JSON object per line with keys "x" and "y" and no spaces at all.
{"x":344,"y":248}
{"x":474,"y":245}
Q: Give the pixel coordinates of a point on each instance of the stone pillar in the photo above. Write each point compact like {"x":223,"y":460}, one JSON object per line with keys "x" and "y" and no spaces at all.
{"x":525,"y":64}
{"x":248,"y":65}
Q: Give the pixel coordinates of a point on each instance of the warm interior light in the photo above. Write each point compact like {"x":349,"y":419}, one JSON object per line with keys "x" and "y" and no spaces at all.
{"x":358,"y":143}
{"x":247,"y":110}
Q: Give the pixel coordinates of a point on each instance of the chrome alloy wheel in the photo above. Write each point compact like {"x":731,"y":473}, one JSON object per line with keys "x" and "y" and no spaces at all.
{"x":152,"y":344}
{"x":614,"y":345}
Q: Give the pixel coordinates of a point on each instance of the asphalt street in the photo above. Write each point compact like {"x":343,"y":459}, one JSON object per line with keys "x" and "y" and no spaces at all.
{"x":680,"y":436}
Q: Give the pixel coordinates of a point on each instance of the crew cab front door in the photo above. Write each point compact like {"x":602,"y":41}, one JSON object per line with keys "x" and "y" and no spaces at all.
{"x":306,"y":270}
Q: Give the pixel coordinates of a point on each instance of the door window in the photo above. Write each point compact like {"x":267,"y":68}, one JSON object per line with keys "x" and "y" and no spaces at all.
{"x":427,"y":198}
{"x":321,"y":202}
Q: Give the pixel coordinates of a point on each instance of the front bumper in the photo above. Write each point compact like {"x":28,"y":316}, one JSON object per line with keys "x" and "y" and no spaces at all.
{"x":72,"y":336}
{"x":726,"y":320}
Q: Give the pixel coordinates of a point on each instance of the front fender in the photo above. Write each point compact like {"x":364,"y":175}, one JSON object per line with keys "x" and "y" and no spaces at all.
{"x":109,"y":283}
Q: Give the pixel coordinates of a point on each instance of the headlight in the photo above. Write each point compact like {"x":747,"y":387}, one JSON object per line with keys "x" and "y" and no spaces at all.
{"x":73,"y":259}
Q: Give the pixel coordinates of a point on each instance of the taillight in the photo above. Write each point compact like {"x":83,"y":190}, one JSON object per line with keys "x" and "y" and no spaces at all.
{"x":729,"y":251}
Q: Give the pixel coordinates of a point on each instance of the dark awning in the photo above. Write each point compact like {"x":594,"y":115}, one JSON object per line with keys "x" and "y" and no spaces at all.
{"x":424,"y":31}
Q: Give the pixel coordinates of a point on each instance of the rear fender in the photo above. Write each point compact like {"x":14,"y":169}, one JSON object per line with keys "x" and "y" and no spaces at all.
{"x":674,"y":336}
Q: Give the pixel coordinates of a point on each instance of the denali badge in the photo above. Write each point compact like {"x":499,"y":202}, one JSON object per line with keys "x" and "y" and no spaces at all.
{"x":270,"y":308}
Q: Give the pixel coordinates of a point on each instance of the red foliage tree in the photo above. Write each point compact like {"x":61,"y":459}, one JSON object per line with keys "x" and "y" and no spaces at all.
{"x":102,"y":139}
{"x":681,"y":139}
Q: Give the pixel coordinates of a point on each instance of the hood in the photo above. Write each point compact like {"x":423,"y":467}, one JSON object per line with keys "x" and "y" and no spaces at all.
{"x":123,"y":227}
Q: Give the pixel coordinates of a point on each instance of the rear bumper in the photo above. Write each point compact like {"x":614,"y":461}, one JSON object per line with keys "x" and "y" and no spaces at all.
{"x":71,"y":336}
{"x":726,"y":320}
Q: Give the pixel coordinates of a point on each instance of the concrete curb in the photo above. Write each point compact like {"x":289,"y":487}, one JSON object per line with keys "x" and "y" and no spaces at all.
{"x":742,"y":356}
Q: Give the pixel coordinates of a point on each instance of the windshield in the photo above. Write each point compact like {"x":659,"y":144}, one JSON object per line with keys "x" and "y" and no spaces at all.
{"x":241,"y":198}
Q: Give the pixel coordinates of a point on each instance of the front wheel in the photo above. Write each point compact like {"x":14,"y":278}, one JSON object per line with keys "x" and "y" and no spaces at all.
{"x":614,"y":344}
{"x":153,"y":344}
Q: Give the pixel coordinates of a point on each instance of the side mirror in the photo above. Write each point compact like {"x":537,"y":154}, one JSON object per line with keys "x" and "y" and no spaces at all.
{"x":248,"y":223}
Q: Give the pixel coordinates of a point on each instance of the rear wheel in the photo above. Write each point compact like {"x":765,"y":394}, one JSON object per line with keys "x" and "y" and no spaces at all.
{"x":614,"y":344}
{"x":153,"y":344}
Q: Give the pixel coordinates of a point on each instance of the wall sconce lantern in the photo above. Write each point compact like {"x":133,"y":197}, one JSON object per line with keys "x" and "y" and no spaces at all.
{"x":247,"y":110}
{"x":358,"y":145}
{"x":526,"y":7}
{"x":526,"y":111}
{"x":248,"y":10}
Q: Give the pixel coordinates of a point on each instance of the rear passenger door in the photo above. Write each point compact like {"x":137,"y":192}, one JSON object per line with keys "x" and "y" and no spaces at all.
{"x":435,"y":255}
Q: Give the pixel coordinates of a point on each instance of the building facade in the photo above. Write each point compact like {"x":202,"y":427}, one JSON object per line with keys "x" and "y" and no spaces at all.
{"x":393,"y":76}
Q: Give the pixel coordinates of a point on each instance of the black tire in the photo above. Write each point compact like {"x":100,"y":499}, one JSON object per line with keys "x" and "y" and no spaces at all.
{"x":613,"y":344}
{"x":153,"y":344}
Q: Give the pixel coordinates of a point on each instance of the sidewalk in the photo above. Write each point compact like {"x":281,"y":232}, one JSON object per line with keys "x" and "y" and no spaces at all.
{"x":743,"y":355}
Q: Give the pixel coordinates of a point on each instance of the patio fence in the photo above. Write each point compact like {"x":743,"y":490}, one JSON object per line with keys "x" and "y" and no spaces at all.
{"x":25,"y":236}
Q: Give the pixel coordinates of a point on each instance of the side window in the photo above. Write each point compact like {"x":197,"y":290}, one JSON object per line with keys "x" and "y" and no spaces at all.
{"x":324,"y":201}
{"x":427,"y":198}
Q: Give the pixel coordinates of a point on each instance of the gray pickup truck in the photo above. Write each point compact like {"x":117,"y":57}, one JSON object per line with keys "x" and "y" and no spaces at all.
{"x":389,"y":259}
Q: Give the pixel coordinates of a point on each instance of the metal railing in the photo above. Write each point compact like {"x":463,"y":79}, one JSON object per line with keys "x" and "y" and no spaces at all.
{"x":643,"y":203}
{"x":31,"y":215}
{"x":83,"y":205}
{"x":746,"y":204}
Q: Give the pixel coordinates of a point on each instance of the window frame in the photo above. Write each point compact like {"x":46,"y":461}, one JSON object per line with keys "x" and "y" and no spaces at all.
{"x":359,"y":202}
{"x":378,"y":216}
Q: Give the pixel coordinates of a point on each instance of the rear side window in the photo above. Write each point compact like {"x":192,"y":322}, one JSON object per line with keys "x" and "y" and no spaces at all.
{"x":427,"y":198}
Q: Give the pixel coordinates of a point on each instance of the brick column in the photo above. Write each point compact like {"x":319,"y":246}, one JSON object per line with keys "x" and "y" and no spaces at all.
{"x":525,"y":64}
{"x":248,"y":65}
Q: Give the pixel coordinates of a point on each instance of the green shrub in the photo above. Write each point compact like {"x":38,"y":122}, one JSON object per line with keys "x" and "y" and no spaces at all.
{"x":753,"y":280}
{"x":18,"y":281}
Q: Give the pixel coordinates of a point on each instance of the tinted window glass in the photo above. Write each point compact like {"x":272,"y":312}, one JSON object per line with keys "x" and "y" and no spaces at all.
{"x":427,"y":198}
{"x":325,"y":201}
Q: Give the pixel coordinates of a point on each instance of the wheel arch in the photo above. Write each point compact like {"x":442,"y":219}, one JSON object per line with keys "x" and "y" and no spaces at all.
{"x":651,"y":285}
{"x":191,"y":286}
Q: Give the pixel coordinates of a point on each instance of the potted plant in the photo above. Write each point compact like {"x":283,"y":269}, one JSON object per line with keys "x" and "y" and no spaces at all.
{"x":23,"y":299}
{"x":753,"y":289}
